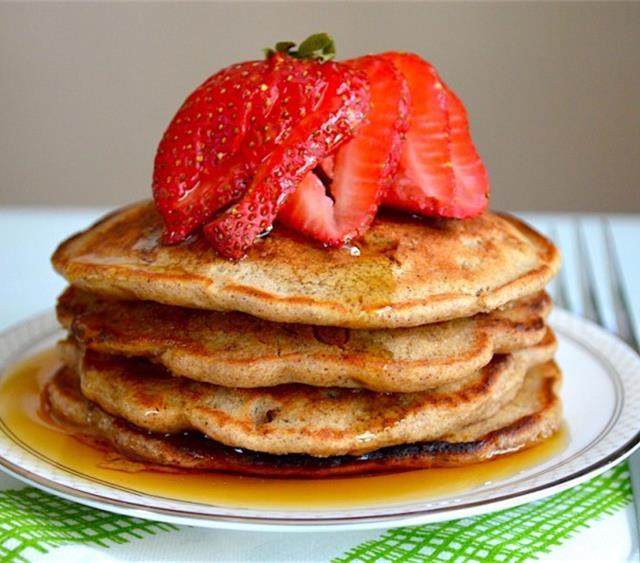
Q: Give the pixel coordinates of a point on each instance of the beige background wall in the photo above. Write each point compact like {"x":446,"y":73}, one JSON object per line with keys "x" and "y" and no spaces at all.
{"x":553,"y":89}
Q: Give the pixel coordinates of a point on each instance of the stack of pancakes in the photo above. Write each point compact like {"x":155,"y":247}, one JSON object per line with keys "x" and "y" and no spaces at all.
{"x":423,"y":345}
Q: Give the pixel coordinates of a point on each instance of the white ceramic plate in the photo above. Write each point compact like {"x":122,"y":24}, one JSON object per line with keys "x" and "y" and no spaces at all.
{"x":601,"y":397}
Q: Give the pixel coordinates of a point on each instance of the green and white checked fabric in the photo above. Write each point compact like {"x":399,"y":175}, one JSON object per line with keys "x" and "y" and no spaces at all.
{"x":516,"y":534}
{"x":33,"y":523}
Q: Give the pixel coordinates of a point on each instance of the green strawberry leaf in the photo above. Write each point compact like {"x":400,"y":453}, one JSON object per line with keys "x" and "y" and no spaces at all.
{"x":285,"y":46}
{"x":318,"y":47}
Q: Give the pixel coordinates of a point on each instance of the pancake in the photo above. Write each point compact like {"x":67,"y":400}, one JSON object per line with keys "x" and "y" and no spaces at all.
{"x":404,"y":271}
{"x":237,"y":350}
{"x":533,"y":415}
{"x":299,"y":418}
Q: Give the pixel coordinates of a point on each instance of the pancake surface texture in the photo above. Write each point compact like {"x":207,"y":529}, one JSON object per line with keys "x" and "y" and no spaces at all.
{"x":299,"y":418}
{"x":533,"y":415}
{"x":237,"y":350}
{"x":405,"y":272}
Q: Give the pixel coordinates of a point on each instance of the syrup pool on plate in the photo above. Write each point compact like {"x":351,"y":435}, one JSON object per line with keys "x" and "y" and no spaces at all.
{"x":21,"y":413}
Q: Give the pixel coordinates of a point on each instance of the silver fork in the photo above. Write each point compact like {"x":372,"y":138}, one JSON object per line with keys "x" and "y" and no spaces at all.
{"x":593,"y":310}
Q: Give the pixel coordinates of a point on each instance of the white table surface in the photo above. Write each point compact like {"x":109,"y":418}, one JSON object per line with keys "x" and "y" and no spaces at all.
{"x":28,"y":285}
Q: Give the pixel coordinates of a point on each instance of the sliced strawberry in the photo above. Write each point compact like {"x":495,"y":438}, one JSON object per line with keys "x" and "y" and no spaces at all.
{"x":289,"y":94}
{"x":440,"y":172}
{"x":202,"y":167}
{"x":336,"y":111}
{"x":309,"y":210}
{"x":249,"y":135}
{"x":206,"y":131}
{"x":362,"y":168}
{"x":425,"y":179}
{"x":471,"y":194}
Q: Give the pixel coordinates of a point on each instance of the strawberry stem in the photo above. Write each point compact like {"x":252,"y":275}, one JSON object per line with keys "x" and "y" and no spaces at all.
{"x":318,"y":47}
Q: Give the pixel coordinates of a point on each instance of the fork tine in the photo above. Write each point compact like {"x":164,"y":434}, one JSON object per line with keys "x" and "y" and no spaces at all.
{"x":590,"y":306}
{"x":626,"y":331}
{"x":561,"y":285}
{"x":624,"y":326}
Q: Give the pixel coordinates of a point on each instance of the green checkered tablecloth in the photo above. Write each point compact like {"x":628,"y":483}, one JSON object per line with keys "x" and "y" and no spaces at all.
{"x":34,"y":523}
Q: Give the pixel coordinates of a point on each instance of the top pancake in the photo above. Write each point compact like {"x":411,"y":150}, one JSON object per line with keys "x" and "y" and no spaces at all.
{"x":404,"y":271}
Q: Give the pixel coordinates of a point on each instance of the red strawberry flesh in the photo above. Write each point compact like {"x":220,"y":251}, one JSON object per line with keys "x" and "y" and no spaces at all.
{"x":293,"y":137}
{"x":362,"y":168}
{"x":210,"y":127}
{"x":440,"y":172}
{"x":320,"y":130}
{"x":425,"y":178}
{"x":471,"y":194}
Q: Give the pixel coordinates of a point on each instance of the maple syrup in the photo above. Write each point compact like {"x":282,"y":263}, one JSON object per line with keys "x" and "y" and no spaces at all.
{"x":21,"y":412}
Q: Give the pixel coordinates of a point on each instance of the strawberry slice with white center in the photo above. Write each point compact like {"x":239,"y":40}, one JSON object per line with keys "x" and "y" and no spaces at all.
{"x":471,"y":194}
{"x":425,"y":181}
{"x":361,"y":172}
{"x":440,"y":172}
